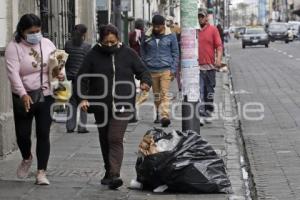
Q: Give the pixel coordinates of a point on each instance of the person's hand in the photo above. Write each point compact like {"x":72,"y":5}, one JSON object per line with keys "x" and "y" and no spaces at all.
{"x":145,"y":87}
{"x":84,"y":105}
{"x":218,"y":64}
{"x":27,"y":101}
{"x":61,"y":76}
{"x":172,"y":75}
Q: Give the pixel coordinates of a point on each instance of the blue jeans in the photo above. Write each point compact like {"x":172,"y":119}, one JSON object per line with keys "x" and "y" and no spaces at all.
{"x":207,"y":90}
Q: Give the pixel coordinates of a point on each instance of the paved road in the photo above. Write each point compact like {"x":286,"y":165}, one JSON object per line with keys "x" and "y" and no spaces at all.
{"x":271,"y":77}
{"x":75,"y":167}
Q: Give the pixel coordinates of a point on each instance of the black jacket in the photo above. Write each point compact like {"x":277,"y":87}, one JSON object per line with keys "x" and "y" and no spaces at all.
{"x":116,"y":68}
{"x":76,"y":57}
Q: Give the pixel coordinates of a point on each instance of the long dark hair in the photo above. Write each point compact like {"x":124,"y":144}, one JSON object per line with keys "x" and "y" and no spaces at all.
{"x":78,"y":33}
{"x":27,"y":21}
{"x":105,"y":30}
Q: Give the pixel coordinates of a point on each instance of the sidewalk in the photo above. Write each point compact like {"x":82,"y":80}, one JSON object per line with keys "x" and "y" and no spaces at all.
{"x":75,"y":166}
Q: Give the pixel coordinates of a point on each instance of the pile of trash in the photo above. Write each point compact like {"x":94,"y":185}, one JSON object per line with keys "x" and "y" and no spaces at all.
{"x":180,"y":162}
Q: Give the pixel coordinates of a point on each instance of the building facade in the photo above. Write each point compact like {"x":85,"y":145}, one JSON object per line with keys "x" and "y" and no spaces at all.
{"x":296,"y":9}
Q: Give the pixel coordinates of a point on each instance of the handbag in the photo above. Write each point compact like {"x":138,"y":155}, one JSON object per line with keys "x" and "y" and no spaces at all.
{"x":37,"y":96}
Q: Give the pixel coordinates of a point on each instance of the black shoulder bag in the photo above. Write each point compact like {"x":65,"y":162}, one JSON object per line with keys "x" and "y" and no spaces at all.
{"x":37,"y":95}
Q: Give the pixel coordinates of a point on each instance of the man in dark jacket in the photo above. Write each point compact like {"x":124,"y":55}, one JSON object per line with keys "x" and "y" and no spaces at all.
{"x":159,"y":50}
{"x":77,"y":49}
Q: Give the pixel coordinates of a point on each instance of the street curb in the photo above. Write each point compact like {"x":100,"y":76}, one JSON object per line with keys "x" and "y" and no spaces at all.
{"x":231,"y":143}
{"x":250,"y":182}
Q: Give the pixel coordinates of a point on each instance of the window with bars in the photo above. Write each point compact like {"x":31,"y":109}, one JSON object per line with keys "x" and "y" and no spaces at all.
{"x":58,"y":20}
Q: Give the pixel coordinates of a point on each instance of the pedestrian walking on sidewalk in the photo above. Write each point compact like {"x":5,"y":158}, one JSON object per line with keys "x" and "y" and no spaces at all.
{"x":222,"y":36}
{"x":210,"y":50}
{"x":159,"y":50}
{"x":115,"y":66}
{"x":26,"y":59}
{"x":77,"y":50}
{"x":135,"y":37}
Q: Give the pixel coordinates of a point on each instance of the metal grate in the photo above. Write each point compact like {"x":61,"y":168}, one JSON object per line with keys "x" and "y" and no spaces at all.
{"x":58,"y":20}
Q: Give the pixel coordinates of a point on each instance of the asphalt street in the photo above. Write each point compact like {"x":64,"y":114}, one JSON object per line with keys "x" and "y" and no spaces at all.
{"x":267,"y":80}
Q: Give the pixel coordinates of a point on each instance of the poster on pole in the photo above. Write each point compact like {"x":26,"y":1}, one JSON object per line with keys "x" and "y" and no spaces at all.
{"x":190,"y":83}
{"x":188,"y":44}
{"x":189,"y":15}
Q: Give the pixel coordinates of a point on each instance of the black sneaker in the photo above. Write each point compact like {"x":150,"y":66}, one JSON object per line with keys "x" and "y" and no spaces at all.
{"x":105,"y":180}
{"x":165,"y":122}
{"x":70,"y":131}
{"x":83,"y":131}
{"x":115,"y":182}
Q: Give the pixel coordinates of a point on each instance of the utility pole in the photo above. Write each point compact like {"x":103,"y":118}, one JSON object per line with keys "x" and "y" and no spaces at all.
{"x":189,"y":65}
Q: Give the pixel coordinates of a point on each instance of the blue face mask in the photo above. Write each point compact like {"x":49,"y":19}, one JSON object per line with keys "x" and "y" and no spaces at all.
{"x":34,"y":38}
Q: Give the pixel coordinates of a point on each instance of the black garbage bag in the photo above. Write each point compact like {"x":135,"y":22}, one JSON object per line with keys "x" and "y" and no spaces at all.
{"x":146,"y":168}
{"x":191,"y":167}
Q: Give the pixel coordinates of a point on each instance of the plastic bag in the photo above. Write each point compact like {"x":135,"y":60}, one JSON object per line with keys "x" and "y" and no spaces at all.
{"x":191,"y":167}
{"x":168,"y":144}
{"x":62,"y":90}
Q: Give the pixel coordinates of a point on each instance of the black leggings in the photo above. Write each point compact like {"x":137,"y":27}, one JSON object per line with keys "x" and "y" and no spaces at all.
{"x":23,"y":125}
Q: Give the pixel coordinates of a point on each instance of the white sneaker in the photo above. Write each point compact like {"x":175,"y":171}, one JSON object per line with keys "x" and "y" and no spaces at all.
{"x":41,"y":178}
{"x":201,"y":121}
{"x":23,"y":169}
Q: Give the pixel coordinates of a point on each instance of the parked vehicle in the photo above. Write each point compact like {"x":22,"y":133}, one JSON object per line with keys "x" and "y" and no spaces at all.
{"x":279,"y":31}
{"x":255,"y":36}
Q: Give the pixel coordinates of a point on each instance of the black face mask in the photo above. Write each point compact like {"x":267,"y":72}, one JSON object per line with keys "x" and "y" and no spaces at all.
{"x":109,"y":49}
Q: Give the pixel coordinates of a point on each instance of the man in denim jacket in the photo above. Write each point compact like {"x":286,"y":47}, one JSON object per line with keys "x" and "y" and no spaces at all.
{"x":160,"y":52}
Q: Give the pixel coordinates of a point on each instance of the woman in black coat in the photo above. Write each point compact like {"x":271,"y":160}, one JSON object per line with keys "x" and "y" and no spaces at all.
{"x":107,"y":89}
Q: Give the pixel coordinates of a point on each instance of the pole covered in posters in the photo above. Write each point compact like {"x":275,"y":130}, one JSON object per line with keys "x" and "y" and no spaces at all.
{"x":189,"y":65}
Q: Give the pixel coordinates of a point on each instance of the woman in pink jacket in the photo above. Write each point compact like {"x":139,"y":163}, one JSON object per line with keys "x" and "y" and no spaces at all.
{"x":26,"y":60}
